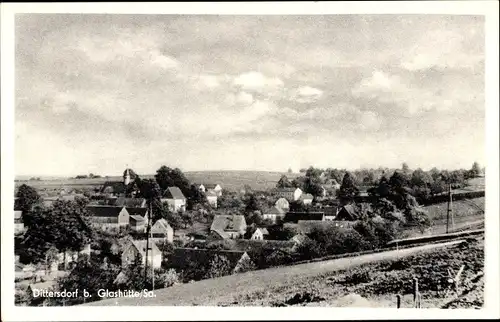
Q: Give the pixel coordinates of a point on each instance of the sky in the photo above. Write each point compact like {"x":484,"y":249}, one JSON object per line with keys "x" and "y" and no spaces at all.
{"x":97,"y":93}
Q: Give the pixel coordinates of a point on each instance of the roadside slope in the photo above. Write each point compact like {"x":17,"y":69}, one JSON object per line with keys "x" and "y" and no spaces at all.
{"x":211,"y":292}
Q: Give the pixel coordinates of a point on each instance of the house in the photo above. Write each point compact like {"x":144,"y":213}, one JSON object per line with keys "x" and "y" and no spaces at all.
{"x":295,"y":217}
{"x":18,"y":222}
{"x":216,"y":188}
{"x":39,"y":292}
{"x":282,"y":204}
{"x":137,"y":249}
{"x":347,"y":212}
{"x":161,"y":230}
{"x":306,"y":198}
{"x":175,"y":199}
{"x":130,"y":202}
{"x":109,"y":216}
{"x":212,"y":198}
{"x":228,"y":226}
{"x":259,"y":234}
{"x":274,"y":214}
{"x":184,"y":258}
{"x":138,"y":223}
{"x":291,"y":194}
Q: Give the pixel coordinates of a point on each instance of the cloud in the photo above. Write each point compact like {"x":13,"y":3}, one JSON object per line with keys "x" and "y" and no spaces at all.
{"x":306,"y":94}
{"x":257,"y":82}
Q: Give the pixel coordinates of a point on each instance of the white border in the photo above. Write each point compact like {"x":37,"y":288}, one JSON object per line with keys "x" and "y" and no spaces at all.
{"x":486,"y":8}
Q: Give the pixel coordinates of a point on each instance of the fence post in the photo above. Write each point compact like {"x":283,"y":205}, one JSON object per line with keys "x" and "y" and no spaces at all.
{"x":415,"y":291}
{"x":419,"y":300}
{"x":398,"y":299}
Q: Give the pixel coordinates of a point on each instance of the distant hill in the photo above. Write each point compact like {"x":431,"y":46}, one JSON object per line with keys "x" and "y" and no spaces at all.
{"x":232,"y":180}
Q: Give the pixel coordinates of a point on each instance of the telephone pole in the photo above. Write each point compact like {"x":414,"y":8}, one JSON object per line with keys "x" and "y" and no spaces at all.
{"x":147,"y":242}
{"x":449,"y":211}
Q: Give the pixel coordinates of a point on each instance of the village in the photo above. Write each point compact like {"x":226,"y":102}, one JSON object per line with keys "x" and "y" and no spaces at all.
{"x":176,"y":239}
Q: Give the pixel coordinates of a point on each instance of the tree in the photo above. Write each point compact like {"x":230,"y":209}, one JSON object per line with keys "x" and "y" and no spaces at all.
{"x":290,"y":170}
{"x":196,"y":197}
{"x":219,"y":266}
{"x":283,"y":182}
{"x":64,"y":226}
{"x":252,"y":204}
{"x":348,"y":190}
{"x":27,"y":197}
{"x":312,"y":185}
{"x":475,"y":170}
{"x":187,"y":218}
{"x":168,"y":177}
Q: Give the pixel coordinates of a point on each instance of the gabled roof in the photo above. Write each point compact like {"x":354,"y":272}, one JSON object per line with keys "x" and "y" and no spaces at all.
{"x":18,"y":214}
{"x":274,"y":211}
{"x":113,"y":187}
{"x":183,"y":257}
{"x":137,"y":218}
{"x":173,"y":193}
{"x":210,"y":186}
{"x":296,"y":216}
{"x":104,"y":211}
{"x":222,"y":234}
{"x":130,"y":202}
{"x":137,"y":211}
{"x":160,"y":226}
{"x":348,"y":212}
{"x":282,"y":203}
{"x":228,"y":223}
{"x":141,"y":246}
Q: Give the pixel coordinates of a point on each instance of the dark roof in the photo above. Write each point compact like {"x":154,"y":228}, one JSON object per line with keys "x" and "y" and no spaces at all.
{"x":129,"y":202}
{"x":183,"y":257}
{"x":296,"y":216}
{"x":228,"y":223}
{"x":137,"y":218}
{"x":113,"y":187}
{"x":210,"y":185}
{"x":137,"y":211}
{"x":347,"y":212}
{"x":173,"y":193}
{"x":104,"y":211}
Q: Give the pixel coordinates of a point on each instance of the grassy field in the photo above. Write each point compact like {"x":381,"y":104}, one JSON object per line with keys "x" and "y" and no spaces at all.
{"x":377,"y":284}
{"x":467,"y":214}
{"x":232,"y":180}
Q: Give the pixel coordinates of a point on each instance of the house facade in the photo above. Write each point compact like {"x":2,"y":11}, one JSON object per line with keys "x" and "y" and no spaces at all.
{"x":137,"y":223}
{"x":282,"y":204}
{"x":274,"y":214}
{"x":137,"y":249}
{"x":290,"y":194}
{"x":259,"y":234}
{"x":214,"y":187}
{"x":212,"y":199}
{"x":108,"y":217}
{"x":18,"y":222}
{"x":175,"y":199}
{"x":162,"y":231}
{"x":306,"y":198}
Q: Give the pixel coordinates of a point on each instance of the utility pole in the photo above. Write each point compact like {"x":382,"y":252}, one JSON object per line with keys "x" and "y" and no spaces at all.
{"x":147,"y":243}
{"x":152,"y":256}
{"x":449,"y":212}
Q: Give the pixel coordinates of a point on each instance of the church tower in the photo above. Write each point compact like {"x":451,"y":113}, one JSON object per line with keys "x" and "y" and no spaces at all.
{"x":126,"y":177}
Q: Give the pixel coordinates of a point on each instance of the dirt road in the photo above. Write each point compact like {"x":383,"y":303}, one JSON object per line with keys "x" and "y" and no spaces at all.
{"x":213,"y":291}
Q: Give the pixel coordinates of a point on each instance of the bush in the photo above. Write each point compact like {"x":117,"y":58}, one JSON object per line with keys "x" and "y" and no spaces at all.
{"x":168,"y":278}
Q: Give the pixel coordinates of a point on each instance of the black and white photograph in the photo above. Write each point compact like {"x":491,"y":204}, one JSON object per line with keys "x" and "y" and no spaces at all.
{"x":326,"y":160}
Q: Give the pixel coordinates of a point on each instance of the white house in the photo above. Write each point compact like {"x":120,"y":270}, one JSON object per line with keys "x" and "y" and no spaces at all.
{"x":283,"y":204}
{"x":214,"y":187}
{"x":212,"y":198}
{"x":175,"y":199}
{"x":161,"y":230}
{"x":273,"y":214}
{"x":307,"y":198}
{"x":259,"y":234}
{"x":18,"y":222}
{"x":137,"y":248}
